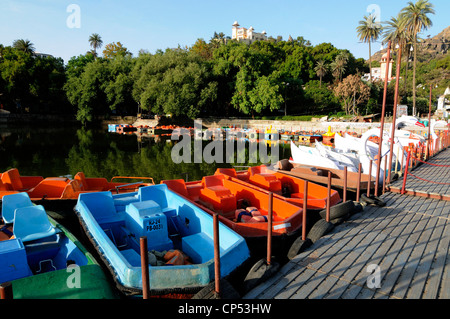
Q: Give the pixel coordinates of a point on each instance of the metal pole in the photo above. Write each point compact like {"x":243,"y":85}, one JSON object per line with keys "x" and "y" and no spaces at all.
{"x":429,"y":125}
{"x":370,"y":179}
{"x":345,"y":184}
{"x":406,"y":173}
{"x":305,"y":209}
{"x":394,"y":114}
{"x":6,"y":291}
{"x":384,"y":175}
{"x":216,"y":254}
{"x":329,"y":196}
{"x":269,"y":230}
{"x":144,"y":268}
{"x":358,"y":187}
{"x":382,"y":117}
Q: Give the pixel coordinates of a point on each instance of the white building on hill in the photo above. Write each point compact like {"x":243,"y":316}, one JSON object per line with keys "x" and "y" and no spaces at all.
{"x":444,"y":104}
{"x":247,"y":35}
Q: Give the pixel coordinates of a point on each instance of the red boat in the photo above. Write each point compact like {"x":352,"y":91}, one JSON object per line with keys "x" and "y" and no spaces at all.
{"x":61,"y":193}
{"x":284,"y":187}
{"x":241,"y":207}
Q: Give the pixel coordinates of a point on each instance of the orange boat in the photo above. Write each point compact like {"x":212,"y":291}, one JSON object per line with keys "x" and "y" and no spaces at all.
{"x":62,"y":190}
{"x":242,"y":208}
{"x":284,"y":187}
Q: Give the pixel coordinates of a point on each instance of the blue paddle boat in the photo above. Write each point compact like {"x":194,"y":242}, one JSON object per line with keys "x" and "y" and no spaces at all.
{"x":115,"y":224}
{"x":42,"y":259}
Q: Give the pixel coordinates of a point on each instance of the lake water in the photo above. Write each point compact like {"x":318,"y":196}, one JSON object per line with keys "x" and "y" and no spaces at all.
{"x":66,"y":150}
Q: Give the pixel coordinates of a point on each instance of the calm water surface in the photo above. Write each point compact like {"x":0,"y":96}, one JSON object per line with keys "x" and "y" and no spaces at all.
{"x":66,"y":150}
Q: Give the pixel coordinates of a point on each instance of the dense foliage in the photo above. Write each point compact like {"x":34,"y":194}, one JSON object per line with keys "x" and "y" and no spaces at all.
{"x":221,"y":77}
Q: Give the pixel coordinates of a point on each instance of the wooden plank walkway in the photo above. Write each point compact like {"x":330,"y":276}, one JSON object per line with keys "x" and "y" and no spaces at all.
{"x":440,"y":175}
{"x":408,"y":240}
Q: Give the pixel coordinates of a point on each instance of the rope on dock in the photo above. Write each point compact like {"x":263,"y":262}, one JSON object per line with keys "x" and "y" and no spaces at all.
{"x":426,"y":180}
{"x":417,"y":159}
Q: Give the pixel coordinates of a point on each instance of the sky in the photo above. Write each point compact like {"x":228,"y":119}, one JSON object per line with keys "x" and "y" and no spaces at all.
{"x":62,"y":27}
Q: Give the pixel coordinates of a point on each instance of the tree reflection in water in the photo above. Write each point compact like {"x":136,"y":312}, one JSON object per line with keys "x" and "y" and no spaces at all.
{"x":98,"y":153}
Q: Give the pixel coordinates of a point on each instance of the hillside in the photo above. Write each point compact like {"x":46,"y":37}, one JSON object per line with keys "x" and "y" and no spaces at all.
{"x":429,"y":48}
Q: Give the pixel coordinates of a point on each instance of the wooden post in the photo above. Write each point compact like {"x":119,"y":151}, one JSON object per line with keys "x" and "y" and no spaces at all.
{"x":144,"y":268}
{"x":358,"y":186}
{"x":345,"y":184}
{"x":216,"y":254}
{"x":305,"y":209}
{"x":6,"y":291}
{"x":269,"y":229}
{"x":329,"y":196}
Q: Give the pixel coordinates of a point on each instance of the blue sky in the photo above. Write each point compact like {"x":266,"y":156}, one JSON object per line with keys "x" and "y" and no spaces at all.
{"x":152,"y":25}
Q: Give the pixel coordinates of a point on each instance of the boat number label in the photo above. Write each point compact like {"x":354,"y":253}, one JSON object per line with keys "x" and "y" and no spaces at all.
{"x":154,"y":224}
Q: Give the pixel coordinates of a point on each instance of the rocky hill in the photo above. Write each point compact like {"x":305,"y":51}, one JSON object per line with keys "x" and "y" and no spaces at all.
{"x":429,"y":48}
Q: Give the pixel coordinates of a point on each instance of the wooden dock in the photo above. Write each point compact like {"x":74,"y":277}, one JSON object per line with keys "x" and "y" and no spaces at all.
{"x":421,"y":185}
{"x":400,"y":251}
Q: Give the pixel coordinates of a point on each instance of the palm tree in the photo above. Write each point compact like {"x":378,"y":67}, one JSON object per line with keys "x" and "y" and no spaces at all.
{"x":368,"y":31}
{"x":321,"y":70}
{"x":395,"y":30}
{"x":415,"y":17}
{"x":96,"y":42}
{"x":339,"y":65}
{"x":24,"y":45}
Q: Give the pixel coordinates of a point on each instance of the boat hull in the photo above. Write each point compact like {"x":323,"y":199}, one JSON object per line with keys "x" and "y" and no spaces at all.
{"x":85,"y":281}
{"x":194,"y":227}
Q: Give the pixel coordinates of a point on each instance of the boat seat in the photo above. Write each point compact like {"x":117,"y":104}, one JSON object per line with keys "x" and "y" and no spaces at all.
{"x":102,"y":207}
{"x":199,"y":247}
{"x":11,"y":179}
{"x":11,"y":203}
{"x":146,"y":218}
{"x":226,"y":171}
{"x":13,"y":260}
{"x":156,"y":193}
{"x":219,"y":196}
{"x":3,"y":186}
{"x":267,"y":181}
{"x":132,"y":257}
{"x":177,"y":185}
{"x":194,"y":191}
{"x":242,"y":175}
{"x":120,"y":203}
{"x":84,"y":185}
{"x":31,"y":223}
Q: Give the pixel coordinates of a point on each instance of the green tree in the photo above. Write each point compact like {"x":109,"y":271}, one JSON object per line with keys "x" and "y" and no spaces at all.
{"x":31,"y":83}
{"x":176,"y":82}
{"x":415,"y":17}
{"x":96,"y":42}
{"x":86,"y":91}
{"x":339,"y":65}
{"x":24,"y":45}
{"x":321,"y":70}
{"x":369,"y":31}
{"x":320,"y":99}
